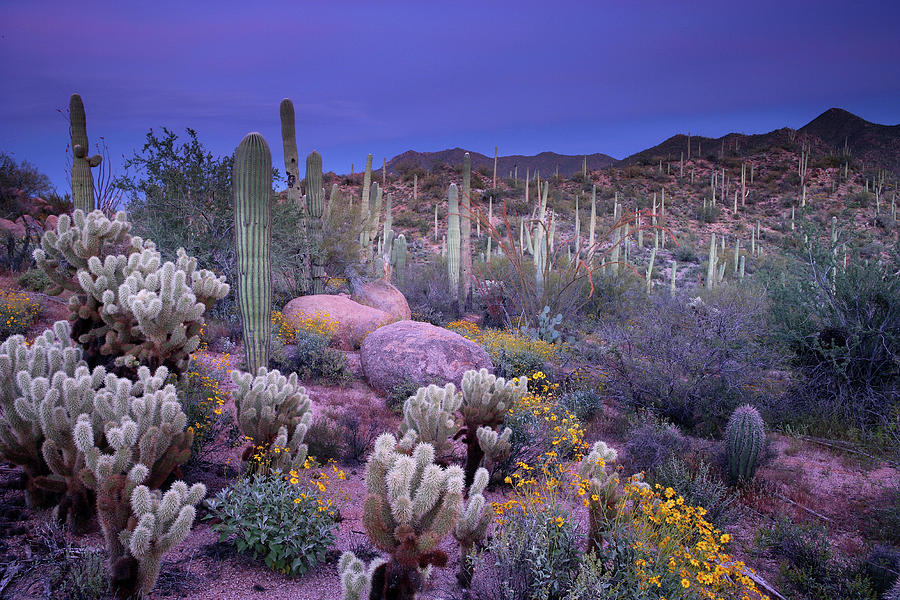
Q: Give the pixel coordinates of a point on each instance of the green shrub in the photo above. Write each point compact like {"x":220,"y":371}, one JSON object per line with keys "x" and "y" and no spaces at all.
{"x":808,"y":567}
{"x":584,"y":404}
{"x":699,"y":487}
{"x":274,"y":520}
{"x":34,"y":279}
{"x":312,"y":358}
{"x":325,"y":440}
{"x":203,"y":400}
{"x":535,"y":554}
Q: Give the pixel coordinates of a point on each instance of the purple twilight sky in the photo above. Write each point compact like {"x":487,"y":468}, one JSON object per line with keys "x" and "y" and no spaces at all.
{"x":385,"y":77}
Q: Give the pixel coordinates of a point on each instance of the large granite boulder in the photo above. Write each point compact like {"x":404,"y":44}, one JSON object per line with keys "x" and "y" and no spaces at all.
{"x":354,"y":321}
{"x":412,"y":351}
{"x":382,"y":295}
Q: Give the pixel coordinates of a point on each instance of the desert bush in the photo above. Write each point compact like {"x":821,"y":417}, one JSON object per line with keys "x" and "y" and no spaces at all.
{"x":584,"y":404}
{"x":70,"y":571}
{"x":34,"y":280}
{"x":534,"y":554}
{"x":203,"y":400}
{"x":275,"y":519}
{"x":808,"y":566}
{"x":313,"y":359}
{"x":512,"y":352}
{"x":883,"y":522}
{"x":700,"y":487}
{"x":707,"y":213}
{"x":652,"y":443}
{"x":325,"y":440}
{"x":19,"y":181}
{"x":427,"y":285}
{"x":882,"y":567}
{"x":18,"y":312}
{"x":842,"y":328}
{"x":693,"y":361}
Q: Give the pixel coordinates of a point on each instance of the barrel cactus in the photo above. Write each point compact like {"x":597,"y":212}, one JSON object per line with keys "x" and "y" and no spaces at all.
{"x":745,"y":437}
{"x":253,"y":231}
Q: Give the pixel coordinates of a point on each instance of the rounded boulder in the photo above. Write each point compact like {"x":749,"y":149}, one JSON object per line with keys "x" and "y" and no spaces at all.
{"x":354,"y":321}
{"x":412,"y":351}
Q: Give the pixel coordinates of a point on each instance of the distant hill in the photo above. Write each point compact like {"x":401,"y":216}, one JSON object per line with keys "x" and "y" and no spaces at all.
{"x":545,"y":162}
{"x":873,"y":143}
{"x":876,"y":145}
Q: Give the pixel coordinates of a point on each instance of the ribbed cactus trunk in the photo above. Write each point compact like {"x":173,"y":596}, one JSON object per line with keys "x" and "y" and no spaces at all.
{"x":465,"y":231}
{"x":745,"y":437}
{"x":711,"y":274}
{"x":453,"y":240}
{"x":399,"y":258}
{"x":364,"y":241}
{"x":315,"y":201}
{"x":292,"y":169}
{"x":253,"y":231}
{"x":82,"y":180}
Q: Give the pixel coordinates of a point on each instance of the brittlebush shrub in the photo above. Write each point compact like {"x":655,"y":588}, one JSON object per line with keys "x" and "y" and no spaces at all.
{"x":512,"y":352}
{"x":18,"y":312}
{"x":302,"y":346}
{"x":655,"y":544}
{"x":276,"y":519}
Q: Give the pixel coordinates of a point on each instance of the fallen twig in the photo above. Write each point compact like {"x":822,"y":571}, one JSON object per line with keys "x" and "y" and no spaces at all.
{"x":798,"y":505}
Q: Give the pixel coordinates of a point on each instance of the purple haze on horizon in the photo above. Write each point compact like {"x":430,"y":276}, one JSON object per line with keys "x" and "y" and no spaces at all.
{"x":392,"y":76}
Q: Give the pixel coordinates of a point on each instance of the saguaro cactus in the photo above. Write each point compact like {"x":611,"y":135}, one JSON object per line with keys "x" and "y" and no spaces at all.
{"x":82,"y":180}
{"x":399,"y":258}
{"x":465,"y":230}
{"x":253,"y":230}
{"x":453,"y":233}
{"x":292,"y":169}
{"x":745,"y":437}
{"x":315,"y":200}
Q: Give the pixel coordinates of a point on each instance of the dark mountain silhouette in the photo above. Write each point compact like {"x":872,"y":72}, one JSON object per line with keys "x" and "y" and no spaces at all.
{"x":545,"y":162}
{"x":875,"y":145}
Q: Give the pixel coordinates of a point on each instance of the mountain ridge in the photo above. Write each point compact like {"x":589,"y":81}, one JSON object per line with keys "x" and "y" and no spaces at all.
{"x":874,"y":143}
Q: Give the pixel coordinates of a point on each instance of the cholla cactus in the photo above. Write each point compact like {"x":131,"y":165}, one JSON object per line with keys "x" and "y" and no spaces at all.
{"x":411,"y":505}
{"x":472,"y":526}
{"x":275,"y":412}
{"x":429,"y":417}
{"x":745,"y":437}
{"x":128,"y":305}
{"x":486,"y":399}
{"x":141,"y":442}
{"x":163,"y":521}
{"x":495,"y":446}
{"x":21,"y":436}
{"x":356,"y":577}
{"x":600,"y":483}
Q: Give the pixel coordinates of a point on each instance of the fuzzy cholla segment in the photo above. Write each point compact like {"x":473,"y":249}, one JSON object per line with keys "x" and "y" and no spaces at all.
{"x":474,"y":519}
{"x":487,"y":398}
{"x":429,"y":415}
{"x":21,"y":435}
{"x":163,"y":520}
{"x":126,"y":302}
{"x":597,"y":468}
{"x":409,"y":496}
{"x":356,"y":577}
{"x":496,"y":446}
{"x":275,"y":411}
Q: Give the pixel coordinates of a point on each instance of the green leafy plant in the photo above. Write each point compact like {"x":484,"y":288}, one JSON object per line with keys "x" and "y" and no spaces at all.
{"x":275,"y":521}
{"x":313,"y":358}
